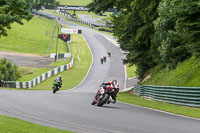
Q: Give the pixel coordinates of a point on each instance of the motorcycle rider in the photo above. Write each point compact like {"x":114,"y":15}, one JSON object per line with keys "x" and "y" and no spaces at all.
{"x":58,"y":80}
{"x":101,"y":59}
{"x":115,"y":85}
{"x":108,"y":53}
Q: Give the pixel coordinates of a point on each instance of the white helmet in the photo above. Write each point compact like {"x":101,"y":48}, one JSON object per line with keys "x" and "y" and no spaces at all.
{"x":59,"y":77}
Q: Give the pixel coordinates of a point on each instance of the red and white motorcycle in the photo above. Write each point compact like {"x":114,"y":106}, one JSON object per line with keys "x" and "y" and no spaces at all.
{"x":104,"y":95}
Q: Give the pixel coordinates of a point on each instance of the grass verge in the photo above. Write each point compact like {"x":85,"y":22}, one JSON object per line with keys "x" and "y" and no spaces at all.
{"x":186,"y":74}
{"x":13,"y":125}
{"x":32,"y":37}
{"x":131,"y":71}
{"x":175,"y":109}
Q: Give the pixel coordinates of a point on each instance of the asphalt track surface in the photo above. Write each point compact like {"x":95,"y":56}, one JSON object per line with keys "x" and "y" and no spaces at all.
{"x":72,"y":110}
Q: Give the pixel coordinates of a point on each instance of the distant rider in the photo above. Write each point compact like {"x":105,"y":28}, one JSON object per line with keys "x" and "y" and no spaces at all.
{"x":108,"y":53}
{"x":102,"y":60}
{"x":58,"y":80}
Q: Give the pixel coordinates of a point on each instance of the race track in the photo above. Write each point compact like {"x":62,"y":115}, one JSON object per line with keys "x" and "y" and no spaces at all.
{"x":72,"y":110}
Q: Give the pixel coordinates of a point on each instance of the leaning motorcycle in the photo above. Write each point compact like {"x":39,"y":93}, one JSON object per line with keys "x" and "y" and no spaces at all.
{"x":55,"y":87}
{"x":103,"y":96}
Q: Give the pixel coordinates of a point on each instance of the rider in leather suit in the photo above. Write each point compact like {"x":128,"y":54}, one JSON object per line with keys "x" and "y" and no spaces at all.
{"x":115,"y":85}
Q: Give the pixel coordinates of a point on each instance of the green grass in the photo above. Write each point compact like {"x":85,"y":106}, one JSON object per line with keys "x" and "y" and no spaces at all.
{"x":29,"y":73}
{"x":186,"y":74}
{"x":131,"y":71}
{"x":32,"y":37}
{"x":176,"y":109}
{"x":81,"y":66}
{"x":60,"y":62}
{"x":74,"y":2}
{"x":13,"y":125}
{"x":108,"y":18}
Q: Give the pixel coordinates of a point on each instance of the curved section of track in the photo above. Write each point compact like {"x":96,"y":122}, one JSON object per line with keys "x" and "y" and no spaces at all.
{"x":72,"y":110}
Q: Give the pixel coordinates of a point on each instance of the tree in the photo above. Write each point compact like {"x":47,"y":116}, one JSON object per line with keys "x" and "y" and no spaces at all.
{"x":8,"y":72}
{"x":12,"y":11}
{"x":177,"y":31}
{"x":29,"y":4}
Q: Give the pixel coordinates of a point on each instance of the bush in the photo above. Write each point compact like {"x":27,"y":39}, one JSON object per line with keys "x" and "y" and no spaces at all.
{"x":8,"y":72}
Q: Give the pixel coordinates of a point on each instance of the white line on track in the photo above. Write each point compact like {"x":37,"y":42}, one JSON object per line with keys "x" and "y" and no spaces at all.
{"x":160,"y":111}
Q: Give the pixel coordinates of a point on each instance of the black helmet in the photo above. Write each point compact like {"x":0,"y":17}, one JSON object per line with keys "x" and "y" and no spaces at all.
{"x":114,"y":80}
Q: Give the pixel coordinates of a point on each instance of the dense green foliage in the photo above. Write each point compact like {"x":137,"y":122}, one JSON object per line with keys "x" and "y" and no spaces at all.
{"x":8,"y":72}
{"x":177,"y":31}
{"x":12,"y":11}
{"x":155,"y":32}
{"x":29,"y":4}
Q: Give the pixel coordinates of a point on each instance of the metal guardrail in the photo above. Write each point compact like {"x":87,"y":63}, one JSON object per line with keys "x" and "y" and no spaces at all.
{"x":186,"y":96}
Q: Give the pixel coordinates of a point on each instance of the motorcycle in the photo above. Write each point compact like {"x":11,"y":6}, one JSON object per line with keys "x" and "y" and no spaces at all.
{"x":103,"y":96}
{"x":55,"y":87}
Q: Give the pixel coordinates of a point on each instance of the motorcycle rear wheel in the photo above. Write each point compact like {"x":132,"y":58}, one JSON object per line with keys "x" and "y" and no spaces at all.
{"x":104,"y":100}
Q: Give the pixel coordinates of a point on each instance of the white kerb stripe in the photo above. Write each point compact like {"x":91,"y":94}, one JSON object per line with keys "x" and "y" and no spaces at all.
{"x":38,"y":79}
{"x":33,"y":82}
{"x":56,"y":71}
{"x":49,"y":74}
{"x":62,"y":68}
{"x":24,"y":84}
{"x":17,"y":84}
{"x":43,"y":77}
{"x":29,"y":84}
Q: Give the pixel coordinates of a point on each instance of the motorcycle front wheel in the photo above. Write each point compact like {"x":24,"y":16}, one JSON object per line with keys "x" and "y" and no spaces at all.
{"x":93,"y":102}
{"x":103,"y":100}
{"x":55,"y":89}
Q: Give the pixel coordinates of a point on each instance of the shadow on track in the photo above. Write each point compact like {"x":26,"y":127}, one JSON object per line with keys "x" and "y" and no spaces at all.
{"x":111,"y":107}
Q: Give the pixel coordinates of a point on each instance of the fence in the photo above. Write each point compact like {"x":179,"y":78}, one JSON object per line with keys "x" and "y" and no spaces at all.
{"x":186,"y":96}
{"x":39,"y":79}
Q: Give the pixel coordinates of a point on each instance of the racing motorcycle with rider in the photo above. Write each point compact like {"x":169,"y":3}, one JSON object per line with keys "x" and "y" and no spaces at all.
{"x":107,"y":93}
{"x":57,"y":84}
